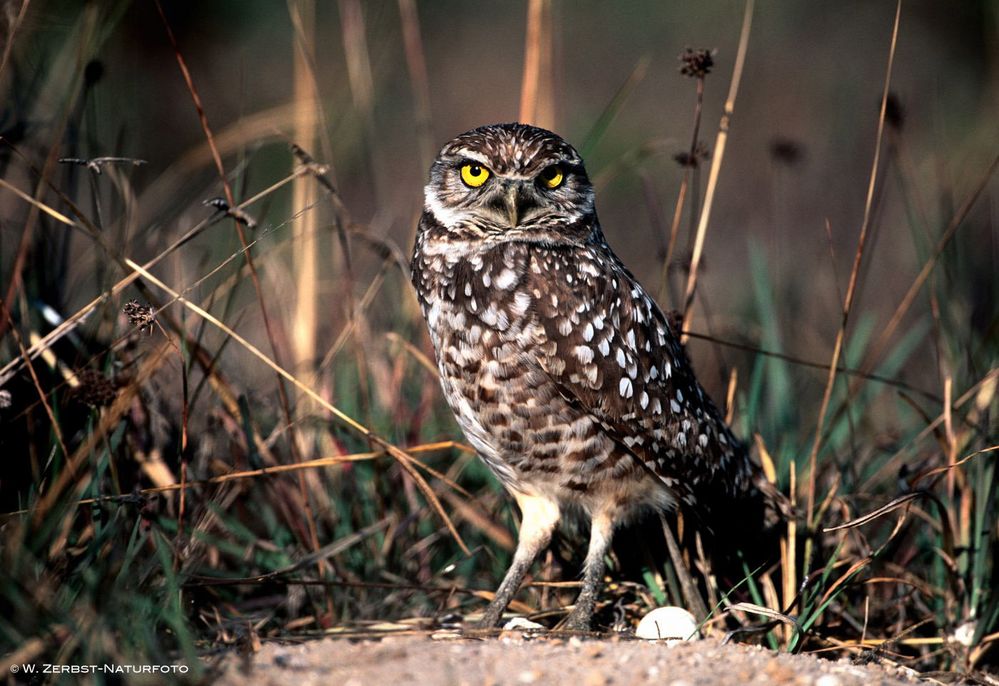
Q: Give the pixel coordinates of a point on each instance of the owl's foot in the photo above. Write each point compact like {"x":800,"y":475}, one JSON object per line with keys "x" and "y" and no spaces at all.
{"x":576,"y":621}
{"x":492,"y":616}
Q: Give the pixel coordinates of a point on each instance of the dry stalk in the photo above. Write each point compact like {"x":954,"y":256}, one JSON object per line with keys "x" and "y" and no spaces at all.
{"x":537,"y":104}
{"x":21,"y":255}
{"x":851,"y":289}
{"x":305,"y":255}
{"x":881,"y":344}
{"x":405,"y":461}
{"x":416,"y":64}
{"x":717,"y":157}
{"x":254,"y":276}
{"x":704,"y":58}
{"x":83,"y":223}
{"x":9,"y":45}
{"x":268,"y":471}
{"x":109,"y":419}
{"x":37,"y":383}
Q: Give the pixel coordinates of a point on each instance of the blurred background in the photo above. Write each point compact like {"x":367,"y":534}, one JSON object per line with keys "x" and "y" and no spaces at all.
{"x":368,"y":91}
{"x":799,"y":154}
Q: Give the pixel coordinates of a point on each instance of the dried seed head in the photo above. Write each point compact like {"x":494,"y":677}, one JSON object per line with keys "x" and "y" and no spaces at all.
{"x":139,"y":315}
{"x":320,"y":171}
{"x":236,"y":213}
{"x":696,"y":63}
{"x":93,"y":72}
{"x":218,"y":203}
{"x":95,"y":389}
{"x":894,"y":112}
{"x":786,"y":151}
{"x":675,"y":320}
{"x":97,"y":164}
{"x":701,"y":153}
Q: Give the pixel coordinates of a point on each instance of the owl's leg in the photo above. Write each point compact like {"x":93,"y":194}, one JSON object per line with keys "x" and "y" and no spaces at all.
{"x":601,"y":533}
{"x":539,"y":517}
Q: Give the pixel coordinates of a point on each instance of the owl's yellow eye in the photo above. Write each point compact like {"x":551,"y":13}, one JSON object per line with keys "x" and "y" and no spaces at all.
{"x":474,"y":175}
{"x":552,"y":177}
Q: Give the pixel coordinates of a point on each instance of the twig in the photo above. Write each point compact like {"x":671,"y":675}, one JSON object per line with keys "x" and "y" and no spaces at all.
{"x":535,"y":98}
{"x":95,"y":164}
{"x":704,"y":59}
{"x":891,"y":506}
{"x":850,"y":371}
{"x":416,"y":64}
{"x":38,"y":384}
{"x":405,"y":461}
{"x":851,"y":287}
{"x":716,"y":159}
{"x":15,"y":24}
{"x":917,"y":284}
{"x":690,"y":593}
{"x":254,"y":277}
{"x":304,"y":253}
{"x":889,"y":466}
{"x":139,"y":496}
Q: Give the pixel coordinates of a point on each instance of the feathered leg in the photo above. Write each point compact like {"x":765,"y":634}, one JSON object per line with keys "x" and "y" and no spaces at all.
{"x":539,"y":517}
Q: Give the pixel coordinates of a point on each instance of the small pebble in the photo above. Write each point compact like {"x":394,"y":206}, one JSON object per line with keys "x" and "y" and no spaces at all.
{"x":445,"y":635}
{"x":671,"y":623}
{"x":528,"y":677}
{"x":964,"y":634}
{"x":522,"y":624}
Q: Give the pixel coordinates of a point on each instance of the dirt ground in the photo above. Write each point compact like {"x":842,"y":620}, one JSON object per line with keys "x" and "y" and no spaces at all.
{"x":514,"y":658}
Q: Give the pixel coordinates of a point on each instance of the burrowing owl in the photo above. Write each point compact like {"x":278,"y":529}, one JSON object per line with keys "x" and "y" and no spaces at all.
{"x":563,"y":373}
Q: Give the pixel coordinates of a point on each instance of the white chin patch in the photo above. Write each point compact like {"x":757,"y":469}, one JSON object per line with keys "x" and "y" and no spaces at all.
{"x":447,"y":216}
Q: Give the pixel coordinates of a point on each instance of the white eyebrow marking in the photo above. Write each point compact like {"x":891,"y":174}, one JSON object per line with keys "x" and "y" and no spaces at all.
{"x":473,"y":155}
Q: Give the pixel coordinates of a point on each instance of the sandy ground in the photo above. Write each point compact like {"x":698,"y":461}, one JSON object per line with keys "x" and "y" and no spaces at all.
{"x":514,"y":658}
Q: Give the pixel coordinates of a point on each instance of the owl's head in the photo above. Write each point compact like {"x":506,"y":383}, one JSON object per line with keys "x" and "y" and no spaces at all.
{"x":511,"y":182}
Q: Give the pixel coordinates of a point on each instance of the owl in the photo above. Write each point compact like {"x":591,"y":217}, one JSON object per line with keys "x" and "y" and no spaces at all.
{"x":562,"y":372}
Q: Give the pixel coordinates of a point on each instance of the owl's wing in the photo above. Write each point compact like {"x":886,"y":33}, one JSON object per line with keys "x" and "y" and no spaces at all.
{"x":612,"y":352}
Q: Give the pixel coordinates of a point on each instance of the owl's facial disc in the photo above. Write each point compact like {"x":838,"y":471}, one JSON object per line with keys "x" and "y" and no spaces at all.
{"x":511,"y":182}
{"x":509,"y":198}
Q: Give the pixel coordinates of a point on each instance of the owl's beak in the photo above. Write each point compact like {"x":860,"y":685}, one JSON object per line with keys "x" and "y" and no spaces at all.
{"x":516,"y":201}
{"x":510,"y":201}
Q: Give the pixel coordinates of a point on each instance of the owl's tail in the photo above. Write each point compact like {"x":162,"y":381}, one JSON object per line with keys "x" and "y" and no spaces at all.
{"x":741,"y":532}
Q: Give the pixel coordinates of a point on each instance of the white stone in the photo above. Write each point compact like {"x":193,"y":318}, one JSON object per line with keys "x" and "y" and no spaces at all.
{"x":964,"y":634}
{"x":672,"y":624}
{"x":522,"y":624}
